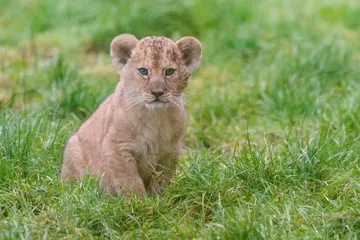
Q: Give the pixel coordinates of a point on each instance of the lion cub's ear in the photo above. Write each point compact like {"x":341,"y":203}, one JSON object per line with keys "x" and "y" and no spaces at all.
{"x":190,"y":49}
{"x":120,"y":50}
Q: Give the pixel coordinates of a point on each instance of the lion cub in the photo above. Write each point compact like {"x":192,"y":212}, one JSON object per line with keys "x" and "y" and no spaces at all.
{"x":133,"y":139}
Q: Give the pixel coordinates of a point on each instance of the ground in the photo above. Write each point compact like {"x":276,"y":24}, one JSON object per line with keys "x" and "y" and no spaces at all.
{"x":273,"y":137}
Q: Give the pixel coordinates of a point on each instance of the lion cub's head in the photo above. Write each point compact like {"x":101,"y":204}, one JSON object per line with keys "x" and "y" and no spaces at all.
{"x":154,"y":71}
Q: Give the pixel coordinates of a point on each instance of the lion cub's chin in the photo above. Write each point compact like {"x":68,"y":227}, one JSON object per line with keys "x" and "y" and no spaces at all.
{"x":157,"y":104}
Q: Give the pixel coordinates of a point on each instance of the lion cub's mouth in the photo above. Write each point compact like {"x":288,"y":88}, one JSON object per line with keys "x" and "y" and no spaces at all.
{"x":157,"y":103}
{"x":158,"y":100}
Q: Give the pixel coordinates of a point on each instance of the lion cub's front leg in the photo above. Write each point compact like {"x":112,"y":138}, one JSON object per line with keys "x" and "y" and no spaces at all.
{"x":165,"y":171}
{"x":121,"y":176}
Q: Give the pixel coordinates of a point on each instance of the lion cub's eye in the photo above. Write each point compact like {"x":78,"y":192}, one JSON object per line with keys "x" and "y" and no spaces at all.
{"x":143,"y":71}
{"x":169,"y":71}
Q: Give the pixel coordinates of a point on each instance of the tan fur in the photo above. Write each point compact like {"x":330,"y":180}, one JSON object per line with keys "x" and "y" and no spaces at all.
{"x":130,"y":141}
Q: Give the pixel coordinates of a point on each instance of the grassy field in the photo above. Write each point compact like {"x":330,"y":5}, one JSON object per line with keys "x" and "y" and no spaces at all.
{"x":273,"y":137}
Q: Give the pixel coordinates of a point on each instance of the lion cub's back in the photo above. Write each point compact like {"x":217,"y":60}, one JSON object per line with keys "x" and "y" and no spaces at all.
{"x":82,"y":151}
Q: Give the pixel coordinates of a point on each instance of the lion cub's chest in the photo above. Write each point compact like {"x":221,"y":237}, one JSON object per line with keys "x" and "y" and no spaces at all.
{"x":155,"y":138}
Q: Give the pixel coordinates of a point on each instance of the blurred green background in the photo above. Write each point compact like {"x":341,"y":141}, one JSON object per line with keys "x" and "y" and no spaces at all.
{"x":272,"y":144}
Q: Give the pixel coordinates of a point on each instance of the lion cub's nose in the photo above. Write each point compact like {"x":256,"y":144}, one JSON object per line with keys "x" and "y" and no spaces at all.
{"x":157,"y":93}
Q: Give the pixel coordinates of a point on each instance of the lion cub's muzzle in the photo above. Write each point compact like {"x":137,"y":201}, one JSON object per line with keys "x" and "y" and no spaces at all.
{"x":156,"y":98}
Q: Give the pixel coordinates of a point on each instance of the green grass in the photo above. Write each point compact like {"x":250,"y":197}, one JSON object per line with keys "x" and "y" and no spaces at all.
{"x":273,"y":137}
